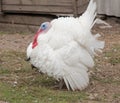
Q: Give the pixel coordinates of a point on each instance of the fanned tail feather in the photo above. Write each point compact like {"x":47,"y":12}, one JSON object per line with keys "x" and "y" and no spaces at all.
{"x":98,"y":45}
{"x":87,"y":19}
{"x":76,"y":80}
{"x":95,"y":45}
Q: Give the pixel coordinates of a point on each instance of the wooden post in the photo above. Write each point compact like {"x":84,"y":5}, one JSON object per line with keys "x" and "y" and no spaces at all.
{"x":0,"y":6}
{"x":75,"y":10}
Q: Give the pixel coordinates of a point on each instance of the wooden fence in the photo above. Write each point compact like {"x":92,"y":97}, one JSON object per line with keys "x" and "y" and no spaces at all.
{"x":20,"y":15}
{"x":75,"y":7}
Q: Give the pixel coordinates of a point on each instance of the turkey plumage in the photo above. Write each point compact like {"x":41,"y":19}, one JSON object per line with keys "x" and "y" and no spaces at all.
{"x":65,"y":47}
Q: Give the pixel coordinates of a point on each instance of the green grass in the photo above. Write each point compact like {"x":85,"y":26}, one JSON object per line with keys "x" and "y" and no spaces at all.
{"x":2,"y":33}
{"x":31,"y":94}
{"x":20,"y":84}
{"x":113,"y":55}
{"x":13,"y":32}
{"x":116,"y":96}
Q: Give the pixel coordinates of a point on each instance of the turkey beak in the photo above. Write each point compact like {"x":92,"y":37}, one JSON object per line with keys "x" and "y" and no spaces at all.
{"x":28,"y":59}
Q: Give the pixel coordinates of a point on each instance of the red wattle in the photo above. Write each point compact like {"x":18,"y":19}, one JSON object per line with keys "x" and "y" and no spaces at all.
{"x":35,"y":43}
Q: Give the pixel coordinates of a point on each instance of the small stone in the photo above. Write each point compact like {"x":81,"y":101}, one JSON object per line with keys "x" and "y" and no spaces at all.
{"x":49,"y":99}
{"x":93,"y":96}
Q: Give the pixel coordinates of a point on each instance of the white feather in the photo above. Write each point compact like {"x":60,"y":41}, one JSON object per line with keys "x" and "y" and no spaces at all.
{"x":66,"y":51}
{"x":29,"y":50}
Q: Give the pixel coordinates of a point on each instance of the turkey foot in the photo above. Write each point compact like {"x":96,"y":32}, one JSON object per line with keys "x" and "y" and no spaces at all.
{"x":60,"y":84}
{"x":36,"y":69}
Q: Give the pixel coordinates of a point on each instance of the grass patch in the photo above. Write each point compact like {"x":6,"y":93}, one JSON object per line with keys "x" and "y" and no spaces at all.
{"x":4,"y":32}
{"x":116,"y":96}
{"x":20,"y":84}
{"x":16,"y":32}
{"x":113,"y":55}
{"x":12,"y":61}
{"x":26,"y":94}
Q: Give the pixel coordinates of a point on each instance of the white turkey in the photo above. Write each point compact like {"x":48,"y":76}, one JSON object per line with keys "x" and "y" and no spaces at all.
{"x":65,"y":47}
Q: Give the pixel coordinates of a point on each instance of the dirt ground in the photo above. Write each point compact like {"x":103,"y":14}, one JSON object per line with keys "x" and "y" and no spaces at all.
{"x":105,"y":77}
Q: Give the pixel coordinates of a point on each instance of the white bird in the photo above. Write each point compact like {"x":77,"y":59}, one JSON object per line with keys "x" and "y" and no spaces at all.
{"x":65,"y":47}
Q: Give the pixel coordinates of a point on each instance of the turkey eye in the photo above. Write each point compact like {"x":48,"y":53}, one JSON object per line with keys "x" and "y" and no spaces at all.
{"x":43,"y":26}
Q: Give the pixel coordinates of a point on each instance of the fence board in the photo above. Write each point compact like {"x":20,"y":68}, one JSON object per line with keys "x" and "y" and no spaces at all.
{"x":82,"y":6}
{"x":75,"y":7}
{"x":24,"y":19}
{"x":0,"y":6}
{"x":37,"y":2}
{"x":23,"y":8}
{"x":82,"y":1}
